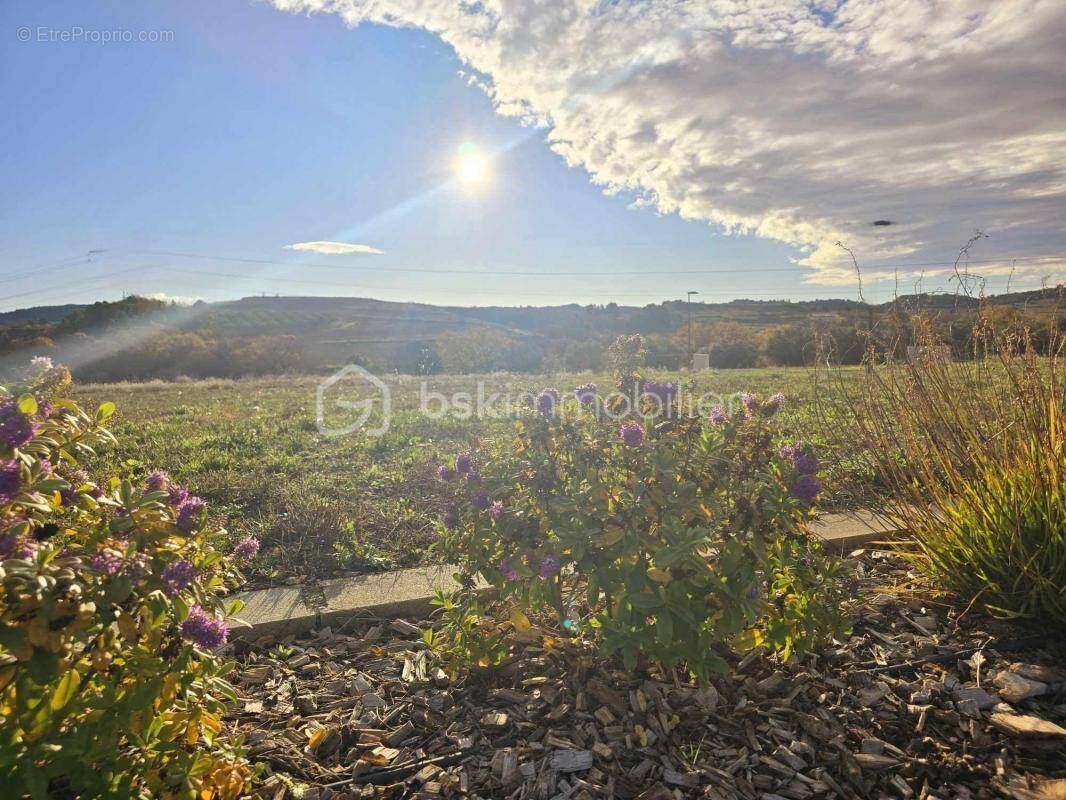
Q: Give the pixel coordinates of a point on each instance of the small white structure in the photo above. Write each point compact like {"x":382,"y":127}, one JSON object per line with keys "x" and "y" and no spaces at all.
{"x":700,"y":361}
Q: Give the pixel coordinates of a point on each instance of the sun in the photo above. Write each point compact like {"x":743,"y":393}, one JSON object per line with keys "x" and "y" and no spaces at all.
{"x":471,"y":167}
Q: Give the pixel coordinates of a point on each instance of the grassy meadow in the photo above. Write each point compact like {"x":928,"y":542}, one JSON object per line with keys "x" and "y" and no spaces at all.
{"x":323,"y":504}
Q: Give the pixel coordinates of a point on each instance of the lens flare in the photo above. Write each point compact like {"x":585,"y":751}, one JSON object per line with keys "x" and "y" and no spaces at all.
{"x":471,"y":167}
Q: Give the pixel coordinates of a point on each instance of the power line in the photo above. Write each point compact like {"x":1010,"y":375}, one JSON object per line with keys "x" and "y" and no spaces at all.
{"x":93,"y":281}
{"x":1057,"y":258}
{"x":469,"y":292}
{"x":462,"y":292}
{"x":66,"y":262}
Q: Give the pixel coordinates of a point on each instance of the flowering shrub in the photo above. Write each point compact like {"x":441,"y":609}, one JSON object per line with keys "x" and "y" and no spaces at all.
{"x":110,"y":609}
{"x":667,"y":539}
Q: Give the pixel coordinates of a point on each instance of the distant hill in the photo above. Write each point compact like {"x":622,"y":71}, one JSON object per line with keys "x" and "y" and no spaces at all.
{"x":137,"y":337}
{"x":41,"y":314}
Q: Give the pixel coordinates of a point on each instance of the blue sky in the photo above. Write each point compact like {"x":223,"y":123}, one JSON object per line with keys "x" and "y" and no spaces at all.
{"x":251,"y":129}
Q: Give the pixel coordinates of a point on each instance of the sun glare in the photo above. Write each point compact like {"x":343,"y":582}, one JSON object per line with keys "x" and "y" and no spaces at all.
{"x":471,"y":167}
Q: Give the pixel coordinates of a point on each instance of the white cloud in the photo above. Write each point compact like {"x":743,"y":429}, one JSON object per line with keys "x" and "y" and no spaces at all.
{"x":333,"y":248}
{"x":180,"y":299}
{"x":800,"y":121}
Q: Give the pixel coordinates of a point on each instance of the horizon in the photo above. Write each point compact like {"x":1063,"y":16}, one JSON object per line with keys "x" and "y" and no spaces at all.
{"x":695,"y":303}
{"x":278,"y":149}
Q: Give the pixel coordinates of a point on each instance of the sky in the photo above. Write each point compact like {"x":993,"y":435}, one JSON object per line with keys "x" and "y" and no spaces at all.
{"x":519,"y":153}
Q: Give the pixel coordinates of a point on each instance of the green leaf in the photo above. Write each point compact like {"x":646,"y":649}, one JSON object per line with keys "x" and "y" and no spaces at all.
{"x":644,"y":600}
{"x":104,"y":412}
{"x":664,"y":628}
{"x":42,"y":666}
{"x":66,"y":689}
{"x":34,"y":781}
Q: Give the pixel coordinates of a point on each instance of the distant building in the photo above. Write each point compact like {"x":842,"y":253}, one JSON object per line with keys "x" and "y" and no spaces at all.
{"x":700,"y":361}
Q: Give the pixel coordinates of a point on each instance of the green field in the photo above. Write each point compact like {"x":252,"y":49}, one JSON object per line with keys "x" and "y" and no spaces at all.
{"x":324,"y":504}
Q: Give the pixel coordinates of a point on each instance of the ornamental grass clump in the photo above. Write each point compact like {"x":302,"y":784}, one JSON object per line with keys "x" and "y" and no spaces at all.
{"x":974,"y":454}
{"x":111,"y":613}
{"x":668,"y":541}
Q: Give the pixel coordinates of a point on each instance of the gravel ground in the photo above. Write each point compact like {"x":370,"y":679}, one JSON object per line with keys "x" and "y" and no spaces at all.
{"x":917,"y":703}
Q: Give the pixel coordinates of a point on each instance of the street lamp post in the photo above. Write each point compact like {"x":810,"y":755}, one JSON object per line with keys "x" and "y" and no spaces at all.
{"x":689,"y":303}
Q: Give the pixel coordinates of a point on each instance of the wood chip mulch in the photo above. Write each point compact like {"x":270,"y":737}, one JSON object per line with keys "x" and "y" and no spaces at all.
{"x":918,"y":703}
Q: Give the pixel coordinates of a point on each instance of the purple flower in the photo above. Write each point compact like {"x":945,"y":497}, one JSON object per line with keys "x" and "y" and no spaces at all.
{"x":632,"y":434}
{"x":549,"y":567}
{"x":747,"y":399}
{"x":10,"y":481}
{"x":178,"y":574}
{"x":586,"y":394}
{"x":806,"y":489}
{"x":773,"y":403}
{"x":463,"y":463}
{"x":16,"y":428}
{"x":496,"y":509}
{"x":44,"y":407}
{"x":247,"y":548}
{"x":12,"y":546}
{"x":507,"y":570}
{"x":7,"y":544}
{"x":473,"y":476}
{"x":663,"y":391}
{"x":450,"y":518}
{"x":157,"y":480}
{"x":178,"y":495}
{"x":107,"y":562}
{"x":189,"y":513}
{"x":718,"y":415}
{"x":801,"y":456}
{"x":75,"y":478}
{"x":480,"y":501}
{"x":204,"y":630}
{"x":547,"y":400}
{"x":139,"y":566}
{"x":45,"y":468}
{"x":445,"y":473}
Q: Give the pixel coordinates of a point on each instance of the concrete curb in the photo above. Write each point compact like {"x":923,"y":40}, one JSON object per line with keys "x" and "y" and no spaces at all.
{"x":852,"y":529}
{"x":285,"y":610}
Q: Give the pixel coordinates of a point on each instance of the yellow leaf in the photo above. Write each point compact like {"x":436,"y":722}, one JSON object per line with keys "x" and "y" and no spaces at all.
{"x":316,"y":738}
{"x":748,"y":640}
{"x":192,"y":733}
{"x":659,"y":575}
{"x":520,"y":621}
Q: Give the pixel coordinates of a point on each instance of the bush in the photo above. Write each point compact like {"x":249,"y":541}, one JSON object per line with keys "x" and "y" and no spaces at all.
{"x":110,"y":609}
{"x":974,"y":454}
{"x":732,"y":346}
{"x":667,"y":541}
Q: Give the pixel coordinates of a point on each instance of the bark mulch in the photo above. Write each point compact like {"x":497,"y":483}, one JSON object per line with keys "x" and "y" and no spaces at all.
{"x":917,"y":703}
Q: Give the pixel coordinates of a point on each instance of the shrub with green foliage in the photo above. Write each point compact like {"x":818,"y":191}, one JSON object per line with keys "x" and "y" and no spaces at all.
{"x":110,"y":610}
{"x":668,"y":539}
